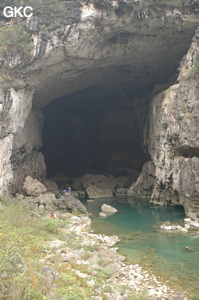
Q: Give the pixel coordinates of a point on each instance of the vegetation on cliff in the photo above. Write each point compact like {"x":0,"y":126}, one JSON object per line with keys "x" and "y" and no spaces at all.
{"x":14,"y":38}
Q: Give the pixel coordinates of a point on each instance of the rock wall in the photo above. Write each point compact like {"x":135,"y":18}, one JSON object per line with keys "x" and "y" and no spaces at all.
{"x":174,"y":137}
{"x":26,"y":158}
{"x":109,"y":43}
{"x":14,"y":112}
{"x":144,"y":185}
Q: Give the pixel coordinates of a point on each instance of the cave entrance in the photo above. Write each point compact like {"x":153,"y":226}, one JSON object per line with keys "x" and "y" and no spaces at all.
{"x":96,"y":130}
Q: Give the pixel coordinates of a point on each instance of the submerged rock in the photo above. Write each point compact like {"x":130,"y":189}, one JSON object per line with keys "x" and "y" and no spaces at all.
{"x":169,"y":226}
{"x":191,"y":249}
{"x":102,"y":214}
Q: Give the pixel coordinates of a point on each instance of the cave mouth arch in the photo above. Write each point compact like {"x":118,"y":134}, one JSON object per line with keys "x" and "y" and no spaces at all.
{"x":95,"y":99}
{"x":97,"y":130}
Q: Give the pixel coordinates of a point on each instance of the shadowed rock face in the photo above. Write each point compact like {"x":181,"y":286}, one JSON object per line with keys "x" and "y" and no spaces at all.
{"x":131,"y":45}
{"x":100,"y":60}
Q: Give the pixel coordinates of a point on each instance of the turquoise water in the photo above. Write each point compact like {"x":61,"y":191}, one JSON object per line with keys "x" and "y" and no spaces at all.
{"x":137,"y":225}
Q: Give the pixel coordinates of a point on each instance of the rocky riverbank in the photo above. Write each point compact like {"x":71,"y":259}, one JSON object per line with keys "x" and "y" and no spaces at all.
{"x":94,"y":258}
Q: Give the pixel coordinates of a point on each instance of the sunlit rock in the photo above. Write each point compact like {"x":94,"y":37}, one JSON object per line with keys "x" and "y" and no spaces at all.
{"x":32,"y":187}
{"x":108,"y":209}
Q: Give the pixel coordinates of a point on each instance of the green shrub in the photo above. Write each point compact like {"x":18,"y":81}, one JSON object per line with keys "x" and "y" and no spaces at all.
{"x":76,"y":212}
{"x":14,"y":38}
{"x":45,"y":8}
{"x":51,"y":225}
{"x":193,"y":72}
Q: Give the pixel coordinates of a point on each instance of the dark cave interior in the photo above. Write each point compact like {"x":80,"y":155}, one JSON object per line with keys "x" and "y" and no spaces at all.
{"x":97,"y":130}
{"x":96,"y":116}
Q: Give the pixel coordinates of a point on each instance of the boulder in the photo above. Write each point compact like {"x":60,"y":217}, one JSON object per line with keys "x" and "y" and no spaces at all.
{"x":194,"y":225}
{"x":94,"y":192}
{"x":32,"y":187}
{"x":47,"y":200}
{"x":98,"y":180}
{"x":76,"y":183}
{"x":41,"y":209}
{"x":122,"y":192}
{"x":69,"y":202}
{"x":50,"y":185}
{"x":108,"y":208}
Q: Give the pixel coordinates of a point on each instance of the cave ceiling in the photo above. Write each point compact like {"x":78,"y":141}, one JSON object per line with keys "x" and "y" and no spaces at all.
{"x":116,"y":52}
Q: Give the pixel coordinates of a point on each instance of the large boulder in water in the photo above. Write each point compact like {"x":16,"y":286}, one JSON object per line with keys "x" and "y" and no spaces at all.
{"x":69,"y":202}
{"x":108,"y":208}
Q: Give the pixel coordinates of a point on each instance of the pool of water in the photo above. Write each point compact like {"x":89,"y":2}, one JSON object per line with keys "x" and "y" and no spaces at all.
{"x":137,"y":225}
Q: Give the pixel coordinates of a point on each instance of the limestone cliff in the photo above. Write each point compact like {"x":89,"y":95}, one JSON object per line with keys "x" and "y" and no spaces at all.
{"x":174,"y":136}
{"x":121,"y":45}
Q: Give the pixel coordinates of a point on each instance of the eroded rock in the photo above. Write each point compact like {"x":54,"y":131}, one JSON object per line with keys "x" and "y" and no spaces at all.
{"x":69,"y":202}
{"x":93,"y":192}
{"x":32,"y":187}
{"x":108,"y":208}
{"x":143,"y":187}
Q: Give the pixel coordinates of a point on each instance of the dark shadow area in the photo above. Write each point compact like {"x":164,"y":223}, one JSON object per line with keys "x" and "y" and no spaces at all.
{"x":95,"y":130}
{"x":187,"y":151}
